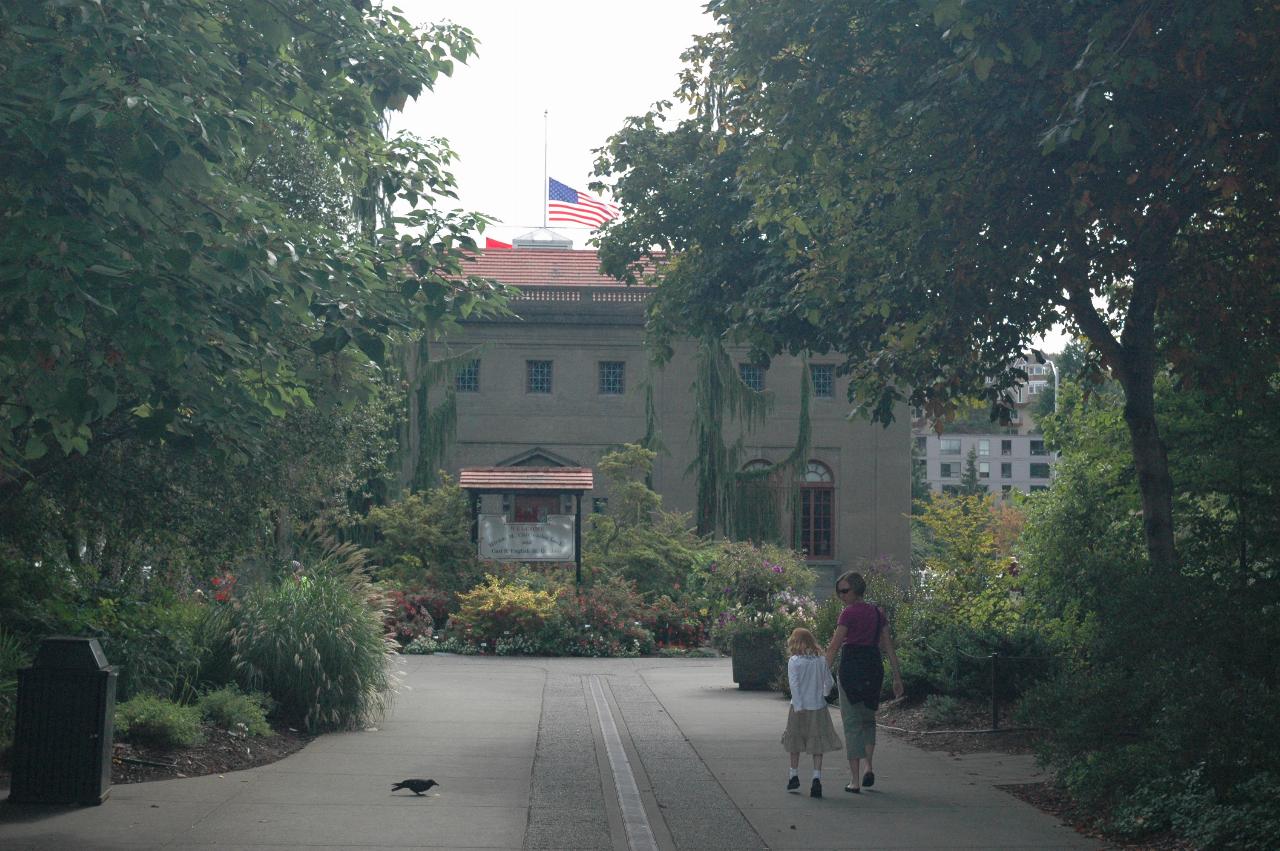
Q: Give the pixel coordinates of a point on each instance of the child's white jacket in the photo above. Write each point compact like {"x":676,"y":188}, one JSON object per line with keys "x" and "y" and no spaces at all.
{"x":810,"y":681}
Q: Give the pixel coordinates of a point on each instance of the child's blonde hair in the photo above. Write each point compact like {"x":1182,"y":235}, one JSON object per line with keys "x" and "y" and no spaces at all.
{"x":802,"y":643}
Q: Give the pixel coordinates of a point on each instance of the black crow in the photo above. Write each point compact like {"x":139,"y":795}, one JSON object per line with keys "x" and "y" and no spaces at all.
{"x":415,"y":785}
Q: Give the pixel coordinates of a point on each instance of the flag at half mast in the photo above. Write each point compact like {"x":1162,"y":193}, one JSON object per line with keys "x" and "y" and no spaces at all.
{"x":565,"y":204}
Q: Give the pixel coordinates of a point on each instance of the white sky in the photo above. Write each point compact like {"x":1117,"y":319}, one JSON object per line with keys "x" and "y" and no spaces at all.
{"x":588,"y":63}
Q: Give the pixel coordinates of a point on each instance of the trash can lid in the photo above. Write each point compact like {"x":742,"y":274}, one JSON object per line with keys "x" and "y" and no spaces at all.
{"x":65,"y":651}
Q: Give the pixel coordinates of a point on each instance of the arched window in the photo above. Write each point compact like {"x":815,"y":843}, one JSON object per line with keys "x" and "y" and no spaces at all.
{"x":817,"y":511}
{"x":757,"y":465}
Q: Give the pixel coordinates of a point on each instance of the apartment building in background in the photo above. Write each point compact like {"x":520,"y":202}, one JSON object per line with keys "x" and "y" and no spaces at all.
{"x":1010,"y":458}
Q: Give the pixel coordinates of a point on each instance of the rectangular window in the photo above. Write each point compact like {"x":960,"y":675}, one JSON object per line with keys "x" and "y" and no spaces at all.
{"x":468,"y":378}
{"x":537,"y":376}
{"x":824,"y":380}
{"x":1006,"y":447}
{"x":1040,"y":471}
{"x":816,"y":522}
{"x":613,"y":375}
{"x":922,"y":445}
{"x":984,"y":447}
{"x":950,"y":446}
{"x":949,"y":470}
{"x":1006,"y":470}
{"x":752,"y":375}
{"x":1035,"y":488}
{"x":1037,"y":448}
{"x":1006,"y":490}
{"x":984,"y":469}
{"x":954,"y":490}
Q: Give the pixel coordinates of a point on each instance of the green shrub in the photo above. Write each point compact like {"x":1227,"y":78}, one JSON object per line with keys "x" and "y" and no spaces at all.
{"x":12,"y":657}
{"x":423,"y":645}
{"x":944,"y":657}
{"x":455,"y":644}
{"x":151,"y":642}
{"x":943,"y":709}
{"x":824,"y":622}
{"x":155,"y":722}
{"x":604,"y":619}
{"x":231,"y":709}
{"x":315,"y":644}
{"x":658,"y":551}
{"x":503,"y":608}
{"x":676,"y":624}
{"x":425,"y":539}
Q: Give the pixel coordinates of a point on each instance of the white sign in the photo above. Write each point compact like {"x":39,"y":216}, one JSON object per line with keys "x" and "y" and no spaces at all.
{"x":503,"y":541}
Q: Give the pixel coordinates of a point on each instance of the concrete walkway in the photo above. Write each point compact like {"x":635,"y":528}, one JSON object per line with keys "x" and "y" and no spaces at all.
{"x":612,"y":754}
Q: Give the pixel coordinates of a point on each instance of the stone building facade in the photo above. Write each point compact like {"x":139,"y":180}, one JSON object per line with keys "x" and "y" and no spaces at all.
{"x":567,"y":380}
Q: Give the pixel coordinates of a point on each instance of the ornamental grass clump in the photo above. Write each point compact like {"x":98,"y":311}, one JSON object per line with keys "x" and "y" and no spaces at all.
{"x":315,"y":643}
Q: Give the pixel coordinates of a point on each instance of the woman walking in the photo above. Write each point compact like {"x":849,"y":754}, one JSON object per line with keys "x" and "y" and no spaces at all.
{"x":862,"y":639}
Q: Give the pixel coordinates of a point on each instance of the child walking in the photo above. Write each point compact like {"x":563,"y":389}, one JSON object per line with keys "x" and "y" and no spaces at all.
{"x":809,"y":727}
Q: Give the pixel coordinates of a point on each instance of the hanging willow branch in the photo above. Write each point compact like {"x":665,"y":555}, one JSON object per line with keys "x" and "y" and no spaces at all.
{"x":425,"y":432}
{"x":763,"y":497}
{"x":720,"y":395}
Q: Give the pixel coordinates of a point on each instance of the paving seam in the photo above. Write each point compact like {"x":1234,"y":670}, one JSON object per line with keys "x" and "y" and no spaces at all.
{"x":567,"y":808}
{"x":639,"y":833}
{"x":658,"y":738}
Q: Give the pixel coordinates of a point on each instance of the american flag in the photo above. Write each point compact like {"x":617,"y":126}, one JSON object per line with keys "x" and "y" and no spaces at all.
{"x":565,"y":204}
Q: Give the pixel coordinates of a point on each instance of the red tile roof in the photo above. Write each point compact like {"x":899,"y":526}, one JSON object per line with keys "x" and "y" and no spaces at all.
{"x":526,"y":478}
{"x":523,"y":267}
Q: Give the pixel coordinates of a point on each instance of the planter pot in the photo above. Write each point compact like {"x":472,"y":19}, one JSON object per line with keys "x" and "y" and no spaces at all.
{"x":758,"y":660}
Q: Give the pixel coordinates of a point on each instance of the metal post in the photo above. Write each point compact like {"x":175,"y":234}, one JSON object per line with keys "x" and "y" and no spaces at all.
{"x":995,"y":707}
{"x":577,"y":543}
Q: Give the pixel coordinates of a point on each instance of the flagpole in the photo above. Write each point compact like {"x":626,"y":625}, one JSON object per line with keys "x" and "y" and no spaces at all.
{"x":546,"y":182}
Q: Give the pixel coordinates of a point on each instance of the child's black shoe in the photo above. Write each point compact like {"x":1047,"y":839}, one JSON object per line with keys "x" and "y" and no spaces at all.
{"x":793,"y":784}
{"x":815,"y":791}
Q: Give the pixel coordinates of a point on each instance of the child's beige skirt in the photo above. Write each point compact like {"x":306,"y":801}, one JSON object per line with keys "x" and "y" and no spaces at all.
{"x":810,"y":731}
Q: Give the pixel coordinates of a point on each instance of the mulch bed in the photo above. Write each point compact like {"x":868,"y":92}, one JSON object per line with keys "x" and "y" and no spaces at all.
{"x":967,"y":732}
{"x":221,"y":752}
{"x":1050,"y":799}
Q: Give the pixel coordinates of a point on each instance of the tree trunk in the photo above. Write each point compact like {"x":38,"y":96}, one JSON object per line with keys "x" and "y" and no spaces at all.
{"x":1150,"y":458}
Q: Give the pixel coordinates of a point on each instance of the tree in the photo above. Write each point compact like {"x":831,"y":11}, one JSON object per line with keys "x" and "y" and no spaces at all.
{"x":969,"y":484}
{"x":920,"y":491}
{"x":153,"y":284}
{"x":929,"y":186}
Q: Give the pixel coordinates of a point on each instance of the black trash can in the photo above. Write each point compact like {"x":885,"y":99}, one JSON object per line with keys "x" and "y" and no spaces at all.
{"x":62,"y":735}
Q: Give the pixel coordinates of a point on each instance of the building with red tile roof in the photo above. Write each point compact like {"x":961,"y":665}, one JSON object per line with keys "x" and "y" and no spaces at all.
{"x":565,"y":380}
